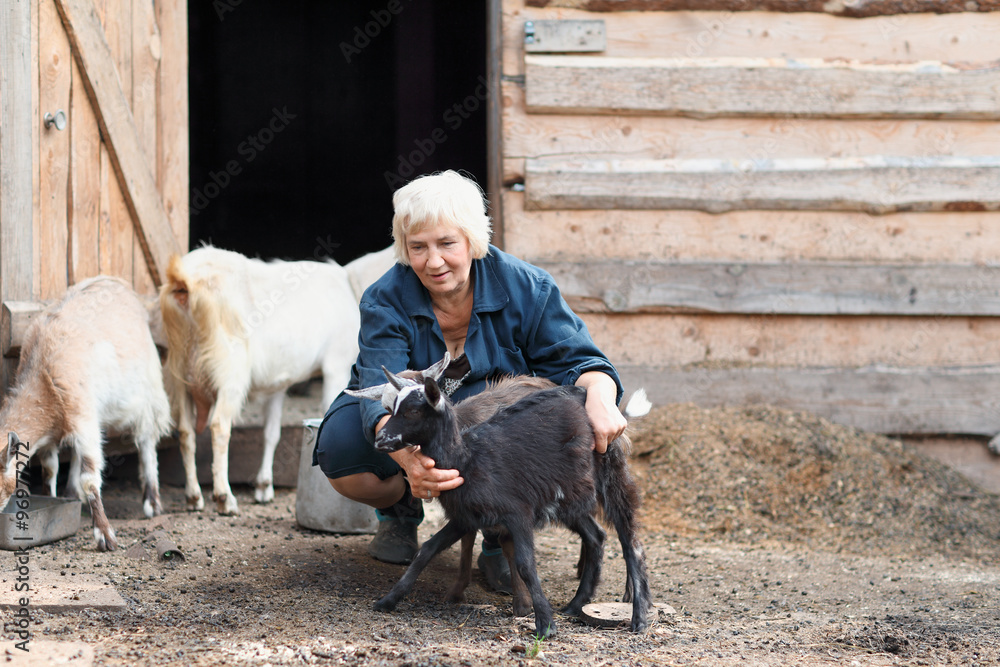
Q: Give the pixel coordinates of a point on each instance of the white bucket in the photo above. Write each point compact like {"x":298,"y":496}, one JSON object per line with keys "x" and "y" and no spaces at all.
{"x":317,"y":505}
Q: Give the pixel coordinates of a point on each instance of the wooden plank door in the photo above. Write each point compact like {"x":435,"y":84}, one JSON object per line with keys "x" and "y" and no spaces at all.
{"x":101,"y":210}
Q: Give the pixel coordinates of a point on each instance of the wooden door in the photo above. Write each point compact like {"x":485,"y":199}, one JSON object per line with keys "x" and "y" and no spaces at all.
{"x":94,"y":104}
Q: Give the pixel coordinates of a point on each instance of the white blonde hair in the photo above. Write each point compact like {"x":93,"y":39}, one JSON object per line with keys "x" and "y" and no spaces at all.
{"x":444,"y":198}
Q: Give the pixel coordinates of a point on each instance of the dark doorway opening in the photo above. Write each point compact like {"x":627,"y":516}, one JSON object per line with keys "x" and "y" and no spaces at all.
{"x":305,"y":116}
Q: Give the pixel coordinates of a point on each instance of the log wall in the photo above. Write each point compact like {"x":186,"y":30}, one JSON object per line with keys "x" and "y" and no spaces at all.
{"x":794,"y":208}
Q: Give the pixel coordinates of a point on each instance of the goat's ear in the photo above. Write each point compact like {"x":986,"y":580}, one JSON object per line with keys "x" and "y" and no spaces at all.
{"x":176,"y":283}
{"x":10,"y":456}
{"x":437,"y":369}
{"x":433,"y":394}
{"x":371,"y":393}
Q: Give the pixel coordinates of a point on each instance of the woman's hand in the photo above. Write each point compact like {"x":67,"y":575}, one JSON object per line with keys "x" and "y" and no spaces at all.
{"x":605,"y":417}
{"x":425,"y":480}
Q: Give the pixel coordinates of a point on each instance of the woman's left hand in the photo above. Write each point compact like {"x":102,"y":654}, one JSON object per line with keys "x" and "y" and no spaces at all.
{"x":605,"y":417}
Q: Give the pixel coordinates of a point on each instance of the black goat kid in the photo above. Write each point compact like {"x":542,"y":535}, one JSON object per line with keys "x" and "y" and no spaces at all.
{"x":530,"y":464}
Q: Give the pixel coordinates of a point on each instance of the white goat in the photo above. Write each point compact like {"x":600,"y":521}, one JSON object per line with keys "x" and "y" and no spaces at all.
{"x":88,"y":363}
{"x":368,"y":268}
{"x":237,"y":326}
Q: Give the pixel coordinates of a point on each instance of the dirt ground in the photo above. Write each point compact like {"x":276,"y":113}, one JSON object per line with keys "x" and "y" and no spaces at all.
{"x":777,"y":538}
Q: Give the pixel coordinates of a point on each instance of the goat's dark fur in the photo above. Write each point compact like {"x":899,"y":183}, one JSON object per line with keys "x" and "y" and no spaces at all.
{"x":475,"y":409}
{"x":530,"y":464}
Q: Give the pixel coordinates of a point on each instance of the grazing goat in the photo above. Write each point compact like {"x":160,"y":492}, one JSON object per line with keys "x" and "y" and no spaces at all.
{"x":530,"y":464}
{"x":88,"y":363}
{"x":473,"y":410}
{"x":236,"y":327}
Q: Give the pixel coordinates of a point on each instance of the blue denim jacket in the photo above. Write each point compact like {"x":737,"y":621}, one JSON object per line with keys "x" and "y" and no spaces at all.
{"x":520,"y":325}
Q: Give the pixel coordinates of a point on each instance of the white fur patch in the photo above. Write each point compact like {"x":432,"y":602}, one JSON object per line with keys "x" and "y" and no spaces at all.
{"x":638,"y":404}
{"x":403,"y":393}
{"x":406,"y":391}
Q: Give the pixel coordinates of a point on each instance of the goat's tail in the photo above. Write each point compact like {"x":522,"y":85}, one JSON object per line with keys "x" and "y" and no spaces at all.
{"x":638,"y":404}
{"x":617,"y":491}
{"x":196,"y":315}
{"x":177,"y":324}
{"x":619,"y":499}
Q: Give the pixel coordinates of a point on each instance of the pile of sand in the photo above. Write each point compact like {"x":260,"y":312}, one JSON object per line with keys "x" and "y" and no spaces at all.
{"x":761,"y":473}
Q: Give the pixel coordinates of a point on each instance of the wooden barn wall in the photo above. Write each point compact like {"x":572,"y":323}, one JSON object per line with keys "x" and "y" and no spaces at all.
{"x":108,"y":193}
{"x":770,"y":235}
{"x":126,"y":117}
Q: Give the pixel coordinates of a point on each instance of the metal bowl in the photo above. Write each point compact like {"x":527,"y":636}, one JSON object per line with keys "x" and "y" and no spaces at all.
{"x":46,"y":520}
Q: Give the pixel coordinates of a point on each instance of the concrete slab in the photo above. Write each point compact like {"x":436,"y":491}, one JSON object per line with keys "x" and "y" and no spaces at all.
{"x":55,"y":593}
{"x":246,"y":449}
{"x":43,"y":653}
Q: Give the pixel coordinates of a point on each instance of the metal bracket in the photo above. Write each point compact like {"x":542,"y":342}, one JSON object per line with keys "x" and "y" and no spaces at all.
{"x":569,"y":36}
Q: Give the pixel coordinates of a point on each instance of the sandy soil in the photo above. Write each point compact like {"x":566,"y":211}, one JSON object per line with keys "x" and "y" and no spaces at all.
{"x":777,"y":538}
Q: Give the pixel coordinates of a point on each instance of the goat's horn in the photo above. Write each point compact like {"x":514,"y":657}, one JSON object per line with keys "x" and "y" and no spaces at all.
{"x":393,"y":380}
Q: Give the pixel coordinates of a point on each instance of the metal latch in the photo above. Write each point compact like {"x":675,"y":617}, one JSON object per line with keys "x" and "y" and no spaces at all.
{"x":529,"y":32}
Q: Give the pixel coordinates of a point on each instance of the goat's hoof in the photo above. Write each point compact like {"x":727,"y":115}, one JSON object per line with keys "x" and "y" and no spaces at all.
{"x":455,"y":596}
{"x":195,"y":503}
{"x":384,"y":605}
{"x":521,"y":610}
{"x":151,"y":509}
{"x":227,"y":505}
{"x":105,"y":542}
{"x":571,"y":610}
{"x":639,"y":624}
{"x":264,"y":493}
{"x":546,"y":631}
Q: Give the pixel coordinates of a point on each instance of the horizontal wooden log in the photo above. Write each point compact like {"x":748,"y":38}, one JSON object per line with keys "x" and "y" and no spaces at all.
{"x":817,"y":288}
{"x":963,"y":400}
{"x":709,"y":87}
{"x":751,"y":236}
{"x":853,"y":9}
{"x":657,"y":339}
{"x":16,"y":317}
{"x":964,"y":37}
{"x":559,"y":136}
{"x":873,"y":184}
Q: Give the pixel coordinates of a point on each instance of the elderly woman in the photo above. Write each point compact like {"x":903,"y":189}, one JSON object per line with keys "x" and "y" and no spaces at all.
{"x":452,"y":291}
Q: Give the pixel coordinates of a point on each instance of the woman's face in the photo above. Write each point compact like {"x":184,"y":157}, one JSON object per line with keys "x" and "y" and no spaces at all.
{"x":441,"y":258}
